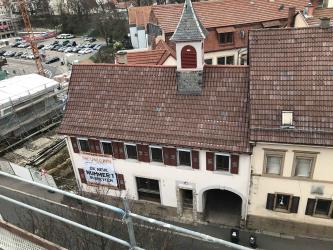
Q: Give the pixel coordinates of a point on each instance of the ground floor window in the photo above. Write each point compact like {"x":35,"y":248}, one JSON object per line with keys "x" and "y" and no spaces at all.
{"x":148,"y":189}
{"x":281,"y":202}
{"x":225,"y":60}
{"x":323,"y":207}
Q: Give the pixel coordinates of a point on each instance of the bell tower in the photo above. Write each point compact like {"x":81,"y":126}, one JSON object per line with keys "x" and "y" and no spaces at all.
{"x":189,"y":39}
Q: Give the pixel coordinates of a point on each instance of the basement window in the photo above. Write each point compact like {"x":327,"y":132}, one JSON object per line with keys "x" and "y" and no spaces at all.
{"x":222,"y":162}
{"x":184,"y":157}
{"x":156,"y":154}
{"x":84,"y":146}
{"x":131,"y":151}
{"x":107,"y":147}
{"x":148,"y":189}
{"x":323,"y":207}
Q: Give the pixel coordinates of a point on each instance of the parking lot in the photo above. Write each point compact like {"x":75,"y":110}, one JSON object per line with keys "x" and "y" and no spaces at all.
{"x":21,"y":60}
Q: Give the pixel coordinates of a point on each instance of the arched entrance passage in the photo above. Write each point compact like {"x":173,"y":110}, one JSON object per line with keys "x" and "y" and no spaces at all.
{"x":222,"y":207}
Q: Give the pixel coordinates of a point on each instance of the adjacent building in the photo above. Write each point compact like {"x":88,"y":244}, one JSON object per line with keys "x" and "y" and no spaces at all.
{"x":228,"y":23}
{"x":291,"y":130}
{"x":175,"y":136}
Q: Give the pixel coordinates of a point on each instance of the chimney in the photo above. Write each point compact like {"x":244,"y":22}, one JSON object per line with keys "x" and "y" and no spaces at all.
{"x":325,"y":22}
{"x":291,"y":16}
{"x":121,"y":57}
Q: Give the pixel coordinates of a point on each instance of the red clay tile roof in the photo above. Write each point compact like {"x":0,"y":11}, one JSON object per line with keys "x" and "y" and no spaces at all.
{"x":141,"y":104}
{"x":317,"y":14}
{"x":292,"y":70}
{"x":139,"y":16}
{"x":164,"y":46}
{"x":214,"y":14}
{"x":150,"y":57}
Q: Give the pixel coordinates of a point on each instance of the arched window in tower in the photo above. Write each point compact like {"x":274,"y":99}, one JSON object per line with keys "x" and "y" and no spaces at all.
{"x":189,"y":57}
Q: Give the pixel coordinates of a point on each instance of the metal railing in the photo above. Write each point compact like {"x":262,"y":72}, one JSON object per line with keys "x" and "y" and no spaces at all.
{"x":124,"y":214}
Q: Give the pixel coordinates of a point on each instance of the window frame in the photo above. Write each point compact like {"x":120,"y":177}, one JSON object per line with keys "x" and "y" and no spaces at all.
{"x":289,"y":205}
{"x":102,"y":148}
{"x":125,"y":150}
{"x":322,"y":215}
{"x":79,"y":144}
{"x":225,"y":59}
{"x":184,"y":150}
{"x":285,"y":125}
{"x":223,"y":154}
{"x":209,"y":59}
{"x":305,"y":155}
{"x":225,"y":34}
{"x":151,"y":155}
{"x":273,"y":152}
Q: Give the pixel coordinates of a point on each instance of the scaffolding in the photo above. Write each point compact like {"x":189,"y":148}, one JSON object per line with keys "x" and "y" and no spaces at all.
{"x":29,"y":104}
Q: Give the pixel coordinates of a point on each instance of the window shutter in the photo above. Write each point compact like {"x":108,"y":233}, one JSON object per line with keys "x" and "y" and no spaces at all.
{"x":115,"y":149}
{"x":118,"y":150}
{"x":121,"y":152}
{"x":74,"y":145}
{"x":310,"y":206}
{"x":143,"y":153}
{"x":210,"y":161}
{"x":270,"y":201}
{"x":294,"y":204}
{"x":82,"y":175}
{"x":94,"y":146}
{"x":195,"y":159}
{"x":170,"y":156}
{"x":121,"y":181}
{"x":234,"y":164}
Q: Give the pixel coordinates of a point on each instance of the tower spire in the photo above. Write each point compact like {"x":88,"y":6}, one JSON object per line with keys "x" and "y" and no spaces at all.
{"x":189,"y":27}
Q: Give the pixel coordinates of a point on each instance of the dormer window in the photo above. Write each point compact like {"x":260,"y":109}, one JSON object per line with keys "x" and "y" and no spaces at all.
{"x":189,"y":57}
{"x":226,"y":38}
{"x":287,"y":119}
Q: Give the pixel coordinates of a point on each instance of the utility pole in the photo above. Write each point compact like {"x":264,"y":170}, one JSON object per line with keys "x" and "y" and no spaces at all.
{"x":129,"y":223}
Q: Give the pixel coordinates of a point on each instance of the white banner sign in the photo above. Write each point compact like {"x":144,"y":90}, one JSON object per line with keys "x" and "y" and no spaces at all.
{"x":99,"y":170}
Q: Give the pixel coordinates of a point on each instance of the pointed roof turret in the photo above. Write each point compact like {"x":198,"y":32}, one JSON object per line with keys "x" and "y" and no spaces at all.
{"x":189,"y":27}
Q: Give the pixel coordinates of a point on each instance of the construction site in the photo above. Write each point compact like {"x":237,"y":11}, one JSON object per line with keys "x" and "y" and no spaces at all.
{"x":31,"y":108}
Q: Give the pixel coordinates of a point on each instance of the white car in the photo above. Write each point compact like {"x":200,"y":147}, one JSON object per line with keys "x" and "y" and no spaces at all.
{"x":85,"y":51}
{"x":69,"y":49}
{"x":65,"y":36}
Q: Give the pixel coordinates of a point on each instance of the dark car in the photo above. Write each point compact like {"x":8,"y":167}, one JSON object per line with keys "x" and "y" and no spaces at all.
{"x":52,"y":60}
{"x":2,"y":52}
{"x":55,"y":43}
{"x":16,"y":44}
{"x":64,"y":43}
{"x":56,"y":47}
{"x":40,"y":46}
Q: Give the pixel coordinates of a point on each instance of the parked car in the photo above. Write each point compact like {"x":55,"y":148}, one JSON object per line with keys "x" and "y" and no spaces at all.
{"x":62,"y":49}
{"x":23,"y":45}
{"x":97,"y":46}
{"x":64,"y":43}
{"x":2,"y":52}
{"x":53,"y":60}
{"x":65,"y":36}
{"x":40,"y":46}
{"x":24,"y":55}
{"x":90,"y":39}
{"x":76,"y":49}
{"x":69,"y":49}
{"x":55,"y":43}
{"x":50,"y":46}
{"x":18,"y":54}
{"x":30,"y":56}
{"x":92,"y":45}
{"x":85,"y":51}
{"x":56,"y":47}
{"x":16,"y":44}
{"x":9,"y":53}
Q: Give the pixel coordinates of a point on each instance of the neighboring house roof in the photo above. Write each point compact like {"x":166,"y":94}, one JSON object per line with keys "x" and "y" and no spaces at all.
{"x":317,"y":14}
{"x":151,"y":57}
{"x":214,"y":14}
{"x":291,"y":70}
{"x":139,"y":16}
{"x":189,"y":27}
{"x":163,"y":45}
{"x":141,"y":104}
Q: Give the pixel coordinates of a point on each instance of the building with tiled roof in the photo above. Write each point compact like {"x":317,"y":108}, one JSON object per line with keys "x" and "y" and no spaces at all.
{"x":227,"y":22}
{"x":312,"y":14}
{"x":138,"y":18}
{"x":291,"y":130}
{"x":171,"y":136}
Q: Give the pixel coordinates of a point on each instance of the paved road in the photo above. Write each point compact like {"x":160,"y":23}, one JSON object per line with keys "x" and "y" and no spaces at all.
{"x":147,"y":236}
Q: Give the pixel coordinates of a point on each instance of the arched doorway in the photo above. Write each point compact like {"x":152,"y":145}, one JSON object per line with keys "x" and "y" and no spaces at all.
{"x":189,"y":57}
{"x":222,"y":207}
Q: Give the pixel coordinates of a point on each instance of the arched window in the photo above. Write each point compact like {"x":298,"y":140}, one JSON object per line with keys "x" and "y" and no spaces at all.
{"x":189,"y":57}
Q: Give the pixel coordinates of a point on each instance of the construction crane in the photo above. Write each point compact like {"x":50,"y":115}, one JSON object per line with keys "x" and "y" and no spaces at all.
{"x":27,"y":26}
